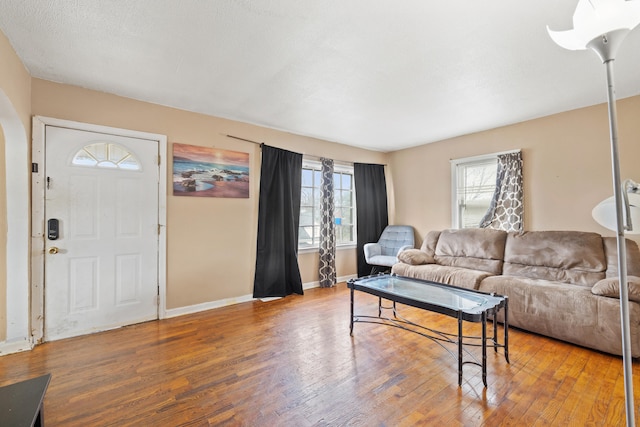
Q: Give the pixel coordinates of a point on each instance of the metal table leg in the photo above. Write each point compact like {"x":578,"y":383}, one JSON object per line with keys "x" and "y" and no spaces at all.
{"x":351,"y":320}
{"x":506,"y":329}
{"x":484,"y":348}
{"x":495,"y":330}
{"x":459,"y":348}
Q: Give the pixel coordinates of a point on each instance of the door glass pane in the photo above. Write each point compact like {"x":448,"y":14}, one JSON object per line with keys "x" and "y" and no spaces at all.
{"x":98,"y":151}
{"x":106,"y":155}
{"x":130,"y":163}
{"x":82,"y":158}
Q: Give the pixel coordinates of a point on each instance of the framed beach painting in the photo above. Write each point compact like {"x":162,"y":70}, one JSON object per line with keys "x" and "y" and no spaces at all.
{"x":209,"y":172}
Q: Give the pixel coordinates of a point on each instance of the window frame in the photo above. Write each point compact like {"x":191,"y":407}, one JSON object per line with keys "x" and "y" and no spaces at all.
{"x":467,"y":161}
{"x":338,"y":167}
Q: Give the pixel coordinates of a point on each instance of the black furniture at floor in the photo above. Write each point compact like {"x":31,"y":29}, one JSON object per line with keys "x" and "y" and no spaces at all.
{"x":21,"y":403}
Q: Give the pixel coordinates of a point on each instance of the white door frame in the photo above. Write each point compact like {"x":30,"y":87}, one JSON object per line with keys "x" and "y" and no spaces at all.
{"x":38,"y":213}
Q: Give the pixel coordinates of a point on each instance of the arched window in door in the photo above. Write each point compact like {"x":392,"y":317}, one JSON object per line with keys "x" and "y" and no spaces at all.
{"x":106,"y":155}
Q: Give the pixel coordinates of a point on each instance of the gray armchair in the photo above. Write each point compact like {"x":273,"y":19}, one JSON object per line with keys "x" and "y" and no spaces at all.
{"x":393,"y":240}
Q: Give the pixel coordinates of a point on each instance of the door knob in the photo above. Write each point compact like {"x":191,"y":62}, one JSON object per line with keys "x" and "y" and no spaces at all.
{"x":53,"y":250}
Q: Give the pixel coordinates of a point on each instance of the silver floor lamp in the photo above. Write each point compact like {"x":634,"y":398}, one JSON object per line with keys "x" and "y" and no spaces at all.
{"x":602,"y":25}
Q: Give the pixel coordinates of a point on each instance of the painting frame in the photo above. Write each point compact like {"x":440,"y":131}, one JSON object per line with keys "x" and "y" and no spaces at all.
{"x":200,"y":171}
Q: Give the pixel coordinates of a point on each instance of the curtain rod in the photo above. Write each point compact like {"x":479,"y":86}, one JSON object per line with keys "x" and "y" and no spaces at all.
{"x":308,"y":155}
{"x":244,"y":139}
{"x":484,"y":156}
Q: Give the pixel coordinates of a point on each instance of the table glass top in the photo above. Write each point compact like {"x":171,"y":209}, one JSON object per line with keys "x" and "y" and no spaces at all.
{"x":432,"y":293}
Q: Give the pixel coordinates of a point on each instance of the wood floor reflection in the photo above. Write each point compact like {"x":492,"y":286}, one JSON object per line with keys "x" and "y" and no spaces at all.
{"x":291,"y":362}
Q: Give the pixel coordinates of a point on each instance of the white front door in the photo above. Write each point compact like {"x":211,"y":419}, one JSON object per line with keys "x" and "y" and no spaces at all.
{"x":101,"y":265}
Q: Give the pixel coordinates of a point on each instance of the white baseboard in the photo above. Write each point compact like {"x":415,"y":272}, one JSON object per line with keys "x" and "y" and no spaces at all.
{"x":174,"y":312}
{"x":316,"y":284}
{"x":190,"y":309}
{"x":347,"y":278}
{"x":9,"y":347}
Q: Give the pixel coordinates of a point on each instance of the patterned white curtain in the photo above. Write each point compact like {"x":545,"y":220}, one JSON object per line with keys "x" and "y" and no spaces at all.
{"x":327,"y":271}
{"x":507,"y":210}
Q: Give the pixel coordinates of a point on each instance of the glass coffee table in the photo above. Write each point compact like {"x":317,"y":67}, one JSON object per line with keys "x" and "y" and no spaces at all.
{"x":460,"y":303}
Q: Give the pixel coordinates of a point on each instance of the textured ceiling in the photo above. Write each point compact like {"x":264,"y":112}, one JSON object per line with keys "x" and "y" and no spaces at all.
{"x":378,"y":74}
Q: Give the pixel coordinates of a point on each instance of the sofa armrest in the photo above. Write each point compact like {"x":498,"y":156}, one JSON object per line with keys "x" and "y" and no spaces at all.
{"x":610,"y":287}
{"x":371,"y":250}
{"x":404,"y":248}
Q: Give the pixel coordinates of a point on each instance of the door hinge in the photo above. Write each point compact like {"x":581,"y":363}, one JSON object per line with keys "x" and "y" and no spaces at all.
{"x":159,"y":160}
{"x":159,"y":229}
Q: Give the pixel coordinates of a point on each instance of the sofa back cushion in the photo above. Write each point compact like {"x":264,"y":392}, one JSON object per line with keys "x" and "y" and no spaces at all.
{"x":611,"y":252}
{"x":429,"y":243}
{"x":564,"y":256}
{"x":475,"y":248}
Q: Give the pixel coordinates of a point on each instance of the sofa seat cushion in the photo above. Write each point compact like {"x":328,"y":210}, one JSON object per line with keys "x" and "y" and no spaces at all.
{"x":382,"y":260}
{"x":461,"y":277}
{"x":473,"y":248}
{"x":562,"y":256}
{"x":566,"y":312}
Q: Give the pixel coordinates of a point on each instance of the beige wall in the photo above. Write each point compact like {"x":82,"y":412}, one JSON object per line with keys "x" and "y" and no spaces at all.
{"x":567,"y":168}
{"x":15,"y":82}
{"x":211,"y":242}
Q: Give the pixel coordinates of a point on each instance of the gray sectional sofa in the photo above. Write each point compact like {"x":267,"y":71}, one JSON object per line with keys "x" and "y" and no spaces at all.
{"x":562,"y":284}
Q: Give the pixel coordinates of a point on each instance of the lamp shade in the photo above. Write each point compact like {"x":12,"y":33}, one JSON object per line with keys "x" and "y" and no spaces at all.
{"x":595,"y":18}
{"x":605,"y":213}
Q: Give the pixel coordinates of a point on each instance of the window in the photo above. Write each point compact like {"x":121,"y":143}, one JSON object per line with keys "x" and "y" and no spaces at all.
{"x":344,"y":200}
{"x":473,"y":184}
{"x":106,"y":155}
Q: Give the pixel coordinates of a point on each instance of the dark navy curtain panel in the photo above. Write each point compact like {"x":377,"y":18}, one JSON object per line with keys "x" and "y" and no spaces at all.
{"x":371,"y":205}
{"x":277,"y":270}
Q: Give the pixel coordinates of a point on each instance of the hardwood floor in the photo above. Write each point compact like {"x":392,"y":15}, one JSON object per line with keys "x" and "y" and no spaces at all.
{"x":291,"y":362}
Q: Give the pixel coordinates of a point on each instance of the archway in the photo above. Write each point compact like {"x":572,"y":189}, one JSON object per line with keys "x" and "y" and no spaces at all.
{"x":17,"y":193}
